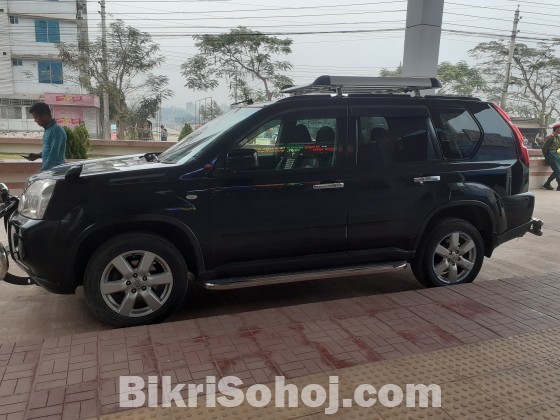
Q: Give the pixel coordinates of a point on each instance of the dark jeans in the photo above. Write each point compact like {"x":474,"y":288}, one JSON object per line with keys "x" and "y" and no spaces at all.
{"x":554,"y":163}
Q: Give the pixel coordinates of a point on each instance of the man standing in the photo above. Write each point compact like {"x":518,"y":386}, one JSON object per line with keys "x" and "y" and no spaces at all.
{"x":54,"y":137}
{"x":551,"y":152}
{"x":163,"y":133}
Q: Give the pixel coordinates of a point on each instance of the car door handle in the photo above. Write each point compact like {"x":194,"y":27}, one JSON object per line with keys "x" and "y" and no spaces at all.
{"x":332,"y":186}
{"x":421,"y":179}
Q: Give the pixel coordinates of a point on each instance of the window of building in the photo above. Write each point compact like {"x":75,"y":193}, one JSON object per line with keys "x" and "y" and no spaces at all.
{"x":17,"y":62}
{"x":47,"y":31}
{"x":10,"y":112}
{"x":14,"y":20}
{"x":50,"y":72}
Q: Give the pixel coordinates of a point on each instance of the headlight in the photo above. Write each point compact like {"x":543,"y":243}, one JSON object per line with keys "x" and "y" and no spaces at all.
{"x":34,"y":201}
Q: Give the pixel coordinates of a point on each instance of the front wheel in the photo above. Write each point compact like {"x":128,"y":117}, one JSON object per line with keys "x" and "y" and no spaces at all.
{"x":134,"y":279}
{"x":452,"y":253}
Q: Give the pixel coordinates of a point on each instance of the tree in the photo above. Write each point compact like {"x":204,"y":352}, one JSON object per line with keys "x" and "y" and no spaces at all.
{"x":77,"y":142}
{"x":534,"y":89}
{"x":187,"y":129}
{"x":131,"y":57}
{"x":210,"y":111}
{"x":391,"y":73}
{"x":460,"y":79}
{"x":456,"y":79}
{"x":239,"y":56}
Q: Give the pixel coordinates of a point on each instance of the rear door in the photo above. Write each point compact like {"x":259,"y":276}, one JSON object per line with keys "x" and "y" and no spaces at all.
{"x":394,"y":180}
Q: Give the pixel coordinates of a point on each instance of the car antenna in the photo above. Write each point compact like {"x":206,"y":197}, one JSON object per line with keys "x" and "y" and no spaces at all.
{"x":247,"y":101}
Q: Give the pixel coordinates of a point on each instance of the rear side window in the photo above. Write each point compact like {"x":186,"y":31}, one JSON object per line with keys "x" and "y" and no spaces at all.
{"x":457,"y":131}
{"x":498,"y":142}
{"x":391,"y":139}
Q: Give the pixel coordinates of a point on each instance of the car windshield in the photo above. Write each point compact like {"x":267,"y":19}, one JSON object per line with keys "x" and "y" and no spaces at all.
{"x":192,"y":145}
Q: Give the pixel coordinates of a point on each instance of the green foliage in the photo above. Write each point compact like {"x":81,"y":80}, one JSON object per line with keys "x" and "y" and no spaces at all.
{"x":456,"y":79}
{"x":239,"y":56}
{"x":534,"y":88}
{"x":132,"y":56}
{"x":460,"y":79}
{"x":210,"y":111}
{"x":391,"y":73}
{"x":187,"y":129}
{"x":77,"y":142}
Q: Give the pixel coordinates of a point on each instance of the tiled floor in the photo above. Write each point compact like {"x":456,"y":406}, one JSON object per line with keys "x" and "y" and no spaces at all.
{"x":76,"y":376}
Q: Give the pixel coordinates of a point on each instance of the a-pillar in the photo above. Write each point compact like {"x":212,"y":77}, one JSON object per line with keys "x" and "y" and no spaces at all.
{"x":422,"y":37}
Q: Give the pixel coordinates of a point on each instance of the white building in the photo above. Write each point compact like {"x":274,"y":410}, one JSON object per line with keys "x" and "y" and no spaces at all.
{"x":29,"y":64}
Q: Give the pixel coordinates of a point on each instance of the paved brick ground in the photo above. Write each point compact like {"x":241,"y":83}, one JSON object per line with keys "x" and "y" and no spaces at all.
{"x":76,"y":376}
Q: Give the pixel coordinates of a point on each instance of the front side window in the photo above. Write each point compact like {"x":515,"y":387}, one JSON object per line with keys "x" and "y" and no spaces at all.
{"x":47,"y":31}
{"x":294,"y":142}
{"x":457,"y":131}
{"x":50,"y":72}
{"x":17,"y":62}
{"x":14,"y":20}
{"x":387,"y":139}
{"x":195,"y":143}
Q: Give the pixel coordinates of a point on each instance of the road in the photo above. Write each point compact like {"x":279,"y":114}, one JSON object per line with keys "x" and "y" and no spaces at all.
{"x":30,"y":313}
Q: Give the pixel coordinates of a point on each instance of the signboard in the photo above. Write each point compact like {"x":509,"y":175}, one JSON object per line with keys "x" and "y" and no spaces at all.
{"x":68,"y":116}
{"x":72,"y":99}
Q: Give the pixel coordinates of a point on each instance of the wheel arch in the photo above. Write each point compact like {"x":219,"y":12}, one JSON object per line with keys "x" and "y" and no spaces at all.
{"x":476,"y":213}
{"x":178,"y":234}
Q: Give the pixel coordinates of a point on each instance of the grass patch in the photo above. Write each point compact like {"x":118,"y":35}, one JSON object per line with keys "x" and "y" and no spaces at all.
{"x":11,"y":156}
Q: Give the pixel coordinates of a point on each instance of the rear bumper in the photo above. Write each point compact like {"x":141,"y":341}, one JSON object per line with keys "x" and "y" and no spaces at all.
{"x":533,"y":226}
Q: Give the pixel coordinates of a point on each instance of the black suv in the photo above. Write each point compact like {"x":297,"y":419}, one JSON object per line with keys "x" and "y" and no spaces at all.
{"x":346,"y":176}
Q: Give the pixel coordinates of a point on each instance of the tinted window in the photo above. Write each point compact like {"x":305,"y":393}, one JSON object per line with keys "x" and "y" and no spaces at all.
{"x":457,"y":132}
{"x":384,"y":139}
{"x":498,"y":142}
{"x":294,"y":142}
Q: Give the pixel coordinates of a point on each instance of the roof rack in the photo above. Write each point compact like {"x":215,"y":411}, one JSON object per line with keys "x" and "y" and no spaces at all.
{"x":350,"y":84}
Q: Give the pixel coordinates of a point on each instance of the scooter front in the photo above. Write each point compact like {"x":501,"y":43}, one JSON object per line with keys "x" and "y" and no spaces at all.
{"x":8,"y":204}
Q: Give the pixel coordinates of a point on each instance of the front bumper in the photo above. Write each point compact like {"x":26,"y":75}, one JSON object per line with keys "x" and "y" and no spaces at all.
{"x":34,"y":246}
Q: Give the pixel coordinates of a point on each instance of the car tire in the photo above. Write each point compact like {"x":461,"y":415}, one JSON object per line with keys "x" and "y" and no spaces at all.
{"x":134,"y":279}
{"x":451,"y":253}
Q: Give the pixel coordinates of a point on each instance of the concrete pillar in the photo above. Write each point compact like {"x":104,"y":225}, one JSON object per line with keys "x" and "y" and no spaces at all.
{"x":422,"y":37}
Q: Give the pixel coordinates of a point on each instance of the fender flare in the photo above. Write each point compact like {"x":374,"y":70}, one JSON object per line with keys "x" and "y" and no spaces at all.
{"x":96,"y":227}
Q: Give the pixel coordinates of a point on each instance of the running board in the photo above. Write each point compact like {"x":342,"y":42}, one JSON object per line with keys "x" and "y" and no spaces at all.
{"x":253,"y":281}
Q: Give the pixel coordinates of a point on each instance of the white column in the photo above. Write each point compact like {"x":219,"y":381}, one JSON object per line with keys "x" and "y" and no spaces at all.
{"x":6,"y":77}
{"x":422,"y":37}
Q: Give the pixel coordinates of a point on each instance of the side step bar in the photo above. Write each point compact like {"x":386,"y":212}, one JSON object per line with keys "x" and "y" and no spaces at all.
{"x":253,"y":281}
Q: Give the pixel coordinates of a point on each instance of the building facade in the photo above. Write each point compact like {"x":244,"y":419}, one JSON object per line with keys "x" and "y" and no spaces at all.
{"x":29,"y":64}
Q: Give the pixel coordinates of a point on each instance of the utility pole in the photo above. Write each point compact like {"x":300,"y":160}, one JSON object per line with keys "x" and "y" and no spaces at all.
{"x":510,"y":59}
{"x":106,"y":121}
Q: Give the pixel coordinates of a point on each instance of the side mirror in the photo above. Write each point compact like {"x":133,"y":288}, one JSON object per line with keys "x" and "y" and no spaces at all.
{"x":242,"y":160}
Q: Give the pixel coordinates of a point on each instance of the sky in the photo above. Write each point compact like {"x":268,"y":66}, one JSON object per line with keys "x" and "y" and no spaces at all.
{"x":376,"y":42}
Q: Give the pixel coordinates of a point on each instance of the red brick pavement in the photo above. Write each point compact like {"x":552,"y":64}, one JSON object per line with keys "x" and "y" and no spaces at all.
{"x":76,"y":377}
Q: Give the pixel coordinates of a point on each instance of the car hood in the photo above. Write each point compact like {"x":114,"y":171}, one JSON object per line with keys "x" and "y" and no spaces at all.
{"x":102,"y":166}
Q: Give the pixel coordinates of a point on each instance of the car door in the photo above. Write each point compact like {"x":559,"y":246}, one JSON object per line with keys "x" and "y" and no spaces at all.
{"x":288,"y":211}
{"x":393,"y":183}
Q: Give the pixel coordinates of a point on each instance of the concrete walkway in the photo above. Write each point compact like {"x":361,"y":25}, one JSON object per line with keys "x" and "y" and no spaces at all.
{"x":76,"y":376}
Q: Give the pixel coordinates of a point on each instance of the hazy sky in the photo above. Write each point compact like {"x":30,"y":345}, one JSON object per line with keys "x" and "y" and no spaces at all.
{"x":465,"y":24}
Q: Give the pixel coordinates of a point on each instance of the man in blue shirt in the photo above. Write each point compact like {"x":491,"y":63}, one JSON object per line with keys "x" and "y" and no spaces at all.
{"x":54,"y":138}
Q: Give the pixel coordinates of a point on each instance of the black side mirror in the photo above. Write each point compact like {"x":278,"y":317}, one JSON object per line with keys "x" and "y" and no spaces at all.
{"x":242,"y":160}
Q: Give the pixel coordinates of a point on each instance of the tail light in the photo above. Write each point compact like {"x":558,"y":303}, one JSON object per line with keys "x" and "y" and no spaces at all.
{"x":524,"y":152}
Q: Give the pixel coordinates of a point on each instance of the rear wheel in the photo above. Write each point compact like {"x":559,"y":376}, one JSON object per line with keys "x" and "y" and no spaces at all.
{"x":135,"y":278}
{"x":451,"y":253}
